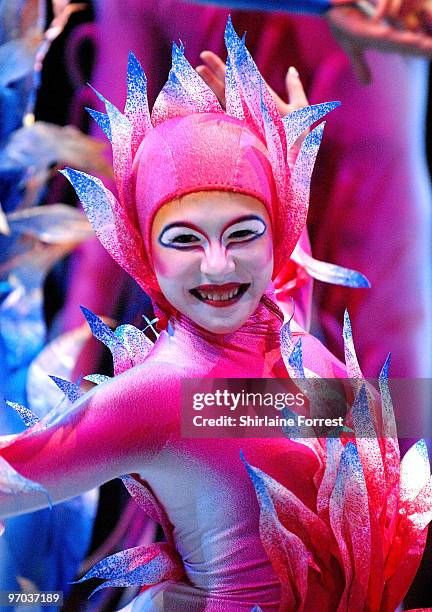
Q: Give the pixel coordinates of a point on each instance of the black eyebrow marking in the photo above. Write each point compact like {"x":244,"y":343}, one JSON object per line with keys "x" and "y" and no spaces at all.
{"x":185,"y":224}
{"x":245,"y":218}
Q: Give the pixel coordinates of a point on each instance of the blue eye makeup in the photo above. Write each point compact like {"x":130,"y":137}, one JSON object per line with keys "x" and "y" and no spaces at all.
{"x":181,"y":236}
{"x":177,"y":236}
{"x":244,"y":230}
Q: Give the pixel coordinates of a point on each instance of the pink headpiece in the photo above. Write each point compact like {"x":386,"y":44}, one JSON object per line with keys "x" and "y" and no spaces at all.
{"x":189,"y":143}
{"x":200,"y":152}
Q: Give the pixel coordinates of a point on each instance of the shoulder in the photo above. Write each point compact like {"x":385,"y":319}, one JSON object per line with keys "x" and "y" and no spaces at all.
{"x":152,"y":376}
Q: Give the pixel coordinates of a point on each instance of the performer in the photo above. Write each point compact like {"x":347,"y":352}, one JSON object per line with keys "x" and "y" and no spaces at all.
{"x":208,"y":210}
{"x":372,"y":166}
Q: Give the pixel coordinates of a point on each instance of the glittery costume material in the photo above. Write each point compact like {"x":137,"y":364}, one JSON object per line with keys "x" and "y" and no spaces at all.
{"x":271,"y":522}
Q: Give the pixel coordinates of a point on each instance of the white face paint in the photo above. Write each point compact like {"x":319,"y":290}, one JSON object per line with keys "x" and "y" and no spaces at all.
{"x":213,"y":257}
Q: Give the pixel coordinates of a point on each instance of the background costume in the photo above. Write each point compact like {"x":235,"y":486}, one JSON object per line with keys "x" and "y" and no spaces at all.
{"x":46,"y":547}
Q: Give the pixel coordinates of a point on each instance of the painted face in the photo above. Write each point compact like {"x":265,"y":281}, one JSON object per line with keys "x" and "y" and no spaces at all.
{"x":213,"y":257}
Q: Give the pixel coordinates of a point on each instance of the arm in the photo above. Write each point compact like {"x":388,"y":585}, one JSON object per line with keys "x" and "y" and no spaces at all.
{"x":111,"y":431}
{"x":314,"y":7}
{"x":355,"y":26}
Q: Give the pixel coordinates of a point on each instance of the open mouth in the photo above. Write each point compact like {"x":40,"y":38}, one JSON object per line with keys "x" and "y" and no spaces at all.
{"x":220,"y":295}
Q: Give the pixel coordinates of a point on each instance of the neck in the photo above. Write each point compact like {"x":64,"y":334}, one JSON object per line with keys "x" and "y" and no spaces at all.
{"x":248,"y":351}
{"x":267,"y":319}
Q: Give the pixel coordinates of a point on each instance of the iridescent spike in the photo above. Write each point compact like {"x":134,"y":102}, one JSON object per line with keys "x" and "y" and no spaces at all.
{"x":298,"y":518}
{"x":389,"y":421}
{"x":150,"y":324}
{"x":121,"y":358}
{"x":143,"y":565}
{"x":295,"y":431}
{"x":121,"y":141}
{"x":414,"y":471}
{"x":391,"y":452}
{"x":369,"y":450}
{"x":329,"y":273}
{"x":349,"y":519}
{"x":302,"y":173}
{"x":351,"y":361}
{"x":237,"y":54}
{"x":101,"y":330}
{"x":277,"y":153}
{"x":303,"y":434}
{"x":136,"y":107}
{"x":233,"y":103}
{"x":184,"y":93}
{"x":28,"y":417}
{"x":145,"y":499}
{"x":121,"y":131}
{"x":298,"y":121}
{"x":113,"y":228}
{"x":102,"y":120}
{"x":286,"y":338}
{"x":193,"y":85}
{"x":334,"y":449}
{"x":296,"y":360}
{"x":70,"y":389}
{"x":292,"y":354}
{"x":137,"y":344}
{"x":112,"y":110}
{"x":251,"y":86}
{"x":288,"y":554}
{"x":97,"y":379}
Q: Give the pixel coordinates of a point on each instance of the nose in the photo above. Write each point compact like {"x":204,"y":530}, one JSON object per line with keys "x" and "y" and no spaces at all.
{"x":217,"y":263}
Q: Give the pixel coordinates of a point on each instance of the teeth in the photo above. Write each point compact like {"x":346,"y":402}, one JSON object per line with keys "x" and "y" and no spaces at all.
{"x":217,"y":297}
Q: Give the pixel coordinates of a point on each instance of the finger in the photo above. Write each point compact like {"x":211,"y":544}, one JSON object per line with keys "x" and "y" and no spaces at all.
{"x":402,"y":41}
{"x":356,"y":28}
{"x":394,"y":9}
{"x":358,"y":62}
{"x":296,"y":94}
{"x":215,"y":84}
{"x":360,"y":65}
{"x":215,"y":63}
{"x":381,"y":9}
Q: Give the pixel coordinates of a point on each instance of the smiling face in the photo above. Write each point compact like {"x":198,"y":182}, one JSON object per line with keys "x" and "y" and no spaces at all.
{"x":213,"y":257}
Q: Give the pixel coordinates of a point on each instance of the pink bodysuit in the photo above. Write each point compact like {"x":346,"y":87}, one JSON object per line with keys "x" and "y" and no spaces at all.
{"x":223,"y":519}
{"x":132,"y":424}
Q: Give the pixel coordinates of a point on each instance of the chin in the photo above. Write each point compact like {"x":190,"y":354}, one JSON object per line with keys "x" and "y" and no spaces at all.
{"x":221,"y":326}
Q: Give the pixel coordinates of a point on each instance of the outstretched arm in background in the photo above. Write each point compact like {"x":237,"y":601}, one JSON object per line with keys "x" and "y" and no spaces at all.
{"x":355,"y":27}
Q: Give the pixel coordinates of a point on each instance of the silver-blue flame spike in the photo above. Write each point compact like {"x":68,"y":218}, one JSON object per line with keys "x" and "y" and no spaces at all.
{"x":329,"y":273}
{"x":298,"y":121}
{"x":351,"y":361}
{"x":70,"y":389}
{"x":27,"y":416}
{"x":97,"y":379}
{"x":100,"y":330}
{"x":102,"y":120}
{"x":296,"y":360}
{"x":388,"y":417}
{"x":305,"y":162}
{"x":136,"y":107}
